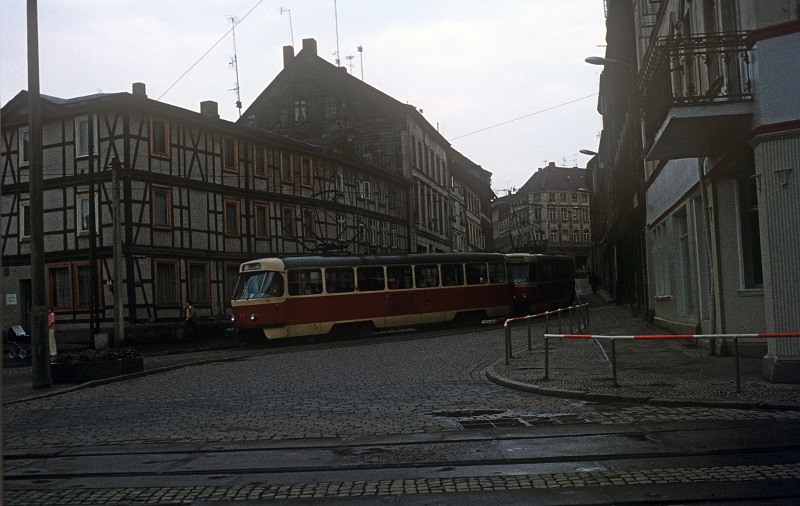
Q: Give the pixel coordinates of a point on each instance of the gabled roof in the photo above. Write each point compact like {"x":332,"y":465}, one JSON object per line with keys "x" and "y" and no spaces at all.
{"x":552,"y":178}
{"x":471,"y":173}
{"x":308,"y":57}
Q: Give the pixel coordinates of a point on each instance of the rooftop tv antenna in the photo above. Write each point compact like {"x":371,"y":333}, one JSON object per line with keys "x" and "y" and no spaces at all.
{"x":350,"y":61}
{"x":235,"y":64}
{"x":291,"y":30}
{"x":336,"y":15}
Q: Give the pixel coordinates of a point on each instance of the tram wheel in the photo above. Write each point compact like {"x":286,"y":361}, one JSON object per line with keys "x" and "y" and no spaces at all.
{"x":363,"y":330}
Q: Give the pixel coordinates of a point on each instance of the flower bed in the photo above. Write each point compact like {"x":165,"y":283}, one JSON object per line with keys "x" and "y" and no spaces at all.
{"x":90,"y":365}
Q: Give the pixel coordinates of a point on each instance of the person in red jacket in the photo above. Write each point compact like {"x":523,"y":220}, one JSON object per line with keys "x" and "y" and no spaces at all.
{"x":51,"y":331}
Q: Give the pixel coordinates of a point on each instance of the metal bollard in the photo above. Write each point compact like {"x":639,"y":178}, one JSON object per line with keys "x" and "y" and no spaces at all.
{"x":571,"y":325}
{"x":530,"y":347}
{"x":546,"y":358}
{"x":736,"y":352}
{"x":614,"y":361}
{"x":508,"y":343}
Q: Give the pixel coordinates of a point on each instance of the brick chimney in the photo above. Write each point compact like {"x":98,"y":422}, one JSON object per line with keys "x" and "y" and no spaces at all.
{"x":209,"y":108}
{"x":139,"y":90}
{"x":310,"y":45}
{"x":288,"y":55}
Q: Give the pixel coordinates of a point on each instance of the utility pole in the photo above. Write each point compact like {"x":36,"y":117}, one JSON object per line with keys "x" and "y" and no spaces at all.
{"x":40,"y":347}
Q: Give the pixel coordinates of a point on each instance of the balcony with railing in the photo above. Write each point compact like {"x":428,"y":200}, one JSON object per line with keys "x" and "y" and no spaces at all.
{"x":696,"y":95}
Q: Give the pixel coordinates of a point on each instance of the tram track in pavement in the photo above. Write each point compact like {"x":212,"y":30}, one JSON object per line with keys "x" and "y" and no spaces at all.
{"x":578,"y":455}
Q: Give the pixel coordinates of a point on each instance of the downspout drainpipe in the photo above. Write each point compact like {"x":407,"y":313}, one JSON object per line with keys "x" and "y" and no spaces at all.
{"x":712,"y":258}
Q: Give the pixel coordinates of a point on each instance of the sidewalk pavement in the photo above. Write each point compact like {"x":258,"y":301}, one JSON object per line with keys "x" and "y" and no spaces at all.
{"x":158,"y":357}
{"x":667,"y":372}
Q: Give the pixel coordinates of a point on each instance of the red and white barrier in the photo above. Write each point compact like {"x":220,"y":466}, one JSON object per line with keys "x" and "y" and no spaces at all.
{"x":675,"y":336}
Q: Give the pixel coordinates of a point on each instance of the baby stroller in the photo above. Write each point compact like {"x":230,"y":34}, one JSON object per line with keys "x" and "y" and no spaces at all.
{"x":17,"y":343}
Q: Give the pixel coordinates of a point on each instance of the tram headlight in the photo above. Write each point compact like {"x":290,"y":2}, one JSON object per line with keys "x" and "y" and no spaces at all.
{"x":252,"y":317}
{"x":233,"y":319}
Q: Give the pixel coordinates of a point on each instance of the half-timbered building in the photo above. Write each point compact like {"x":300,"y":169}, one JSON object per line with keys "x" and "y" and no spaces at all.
{"x":197,"y":196}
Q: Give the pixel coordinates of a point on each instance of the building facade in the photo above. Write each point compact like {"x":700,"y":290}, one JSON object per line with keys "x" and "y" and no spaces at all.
{"x":720,"y":125}
{"x":197,"y":196}
{"x":549,"y":214}
{"x":316,"y":102}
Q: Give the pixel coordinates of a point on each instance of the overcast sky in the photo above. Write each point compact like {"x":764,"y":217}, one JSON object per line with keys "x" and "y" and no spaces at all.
{"x":468,"y":64}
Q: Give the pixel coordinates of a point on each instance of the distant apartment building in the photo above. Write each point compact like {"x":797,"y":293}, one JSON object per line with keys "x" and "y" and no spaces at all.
{"x":550,"y":213}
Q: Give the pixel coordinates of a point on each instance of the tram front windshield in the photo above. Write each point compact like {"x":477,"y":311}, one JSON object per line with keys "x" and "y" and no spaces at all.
{"x":523,"y":273}
{"x":256,"y":285}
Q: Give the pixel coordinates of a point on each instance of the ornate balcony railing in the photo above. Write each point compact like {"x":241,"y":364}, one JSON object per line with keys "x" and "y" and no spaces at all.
{"x":693,"y":71}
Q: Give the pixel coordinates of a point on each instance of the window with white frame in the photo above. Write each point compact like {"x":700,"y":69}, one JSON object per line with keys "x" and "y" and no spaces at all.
{"x":339,"y":179}
{"x":554,"y":236}
{"x":25,"y":220}
{"x":82,"y":136}
{"x":341,"y":227}
{"x":83,"y":212}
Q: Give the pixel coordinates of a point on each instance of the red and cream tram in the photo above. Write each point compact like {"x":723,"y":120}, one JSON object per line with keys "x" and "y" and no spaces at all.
{"x":540,"y":282}
{"x":298,"y":296}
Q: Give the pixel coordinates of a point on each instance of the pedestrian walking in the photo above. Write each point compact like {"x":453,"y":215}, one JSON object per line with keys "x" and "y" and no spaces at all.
{"x":594,"y":281}
{"x":51,"y":331}
{"x":189,"y":321}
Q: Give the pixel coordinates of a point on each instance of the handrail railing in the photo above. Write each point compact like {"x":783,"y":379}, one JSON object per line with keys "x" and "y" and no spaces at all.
{"x":613,"y":340}
{"x":697,"y":70}
{"x":582,"y":310}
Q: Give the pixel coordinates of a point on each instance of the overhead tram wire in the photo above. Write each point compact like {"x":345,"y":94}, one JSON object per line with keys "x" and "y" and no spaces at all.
{"x":523,"y":117}
{"x":209,"y":50}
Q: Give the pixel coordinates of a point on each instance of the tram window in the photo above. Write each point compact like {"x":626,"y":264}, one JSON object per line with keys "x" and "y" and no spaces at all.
{"x":476,"y":274}
{"x":497,"y":272}
{"x":534,"y":272}
{"x":399,"y":277}
{"x":520,"y":273}
{"x":275,"y":285}
{"x":250,"y":286}
{"x":546,"y":272}
{"x":340,"y":280}
{"x":370,"y":279}
{"x":305,"y":282}
{"x":427,"y":275}
{"x":452,"y":274}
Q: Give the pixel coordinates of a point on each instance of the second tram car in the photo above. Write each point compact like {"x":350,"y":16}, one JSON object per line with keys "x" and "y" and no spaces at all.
{"x":297,"y":296}
{"x":540,"y":282}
